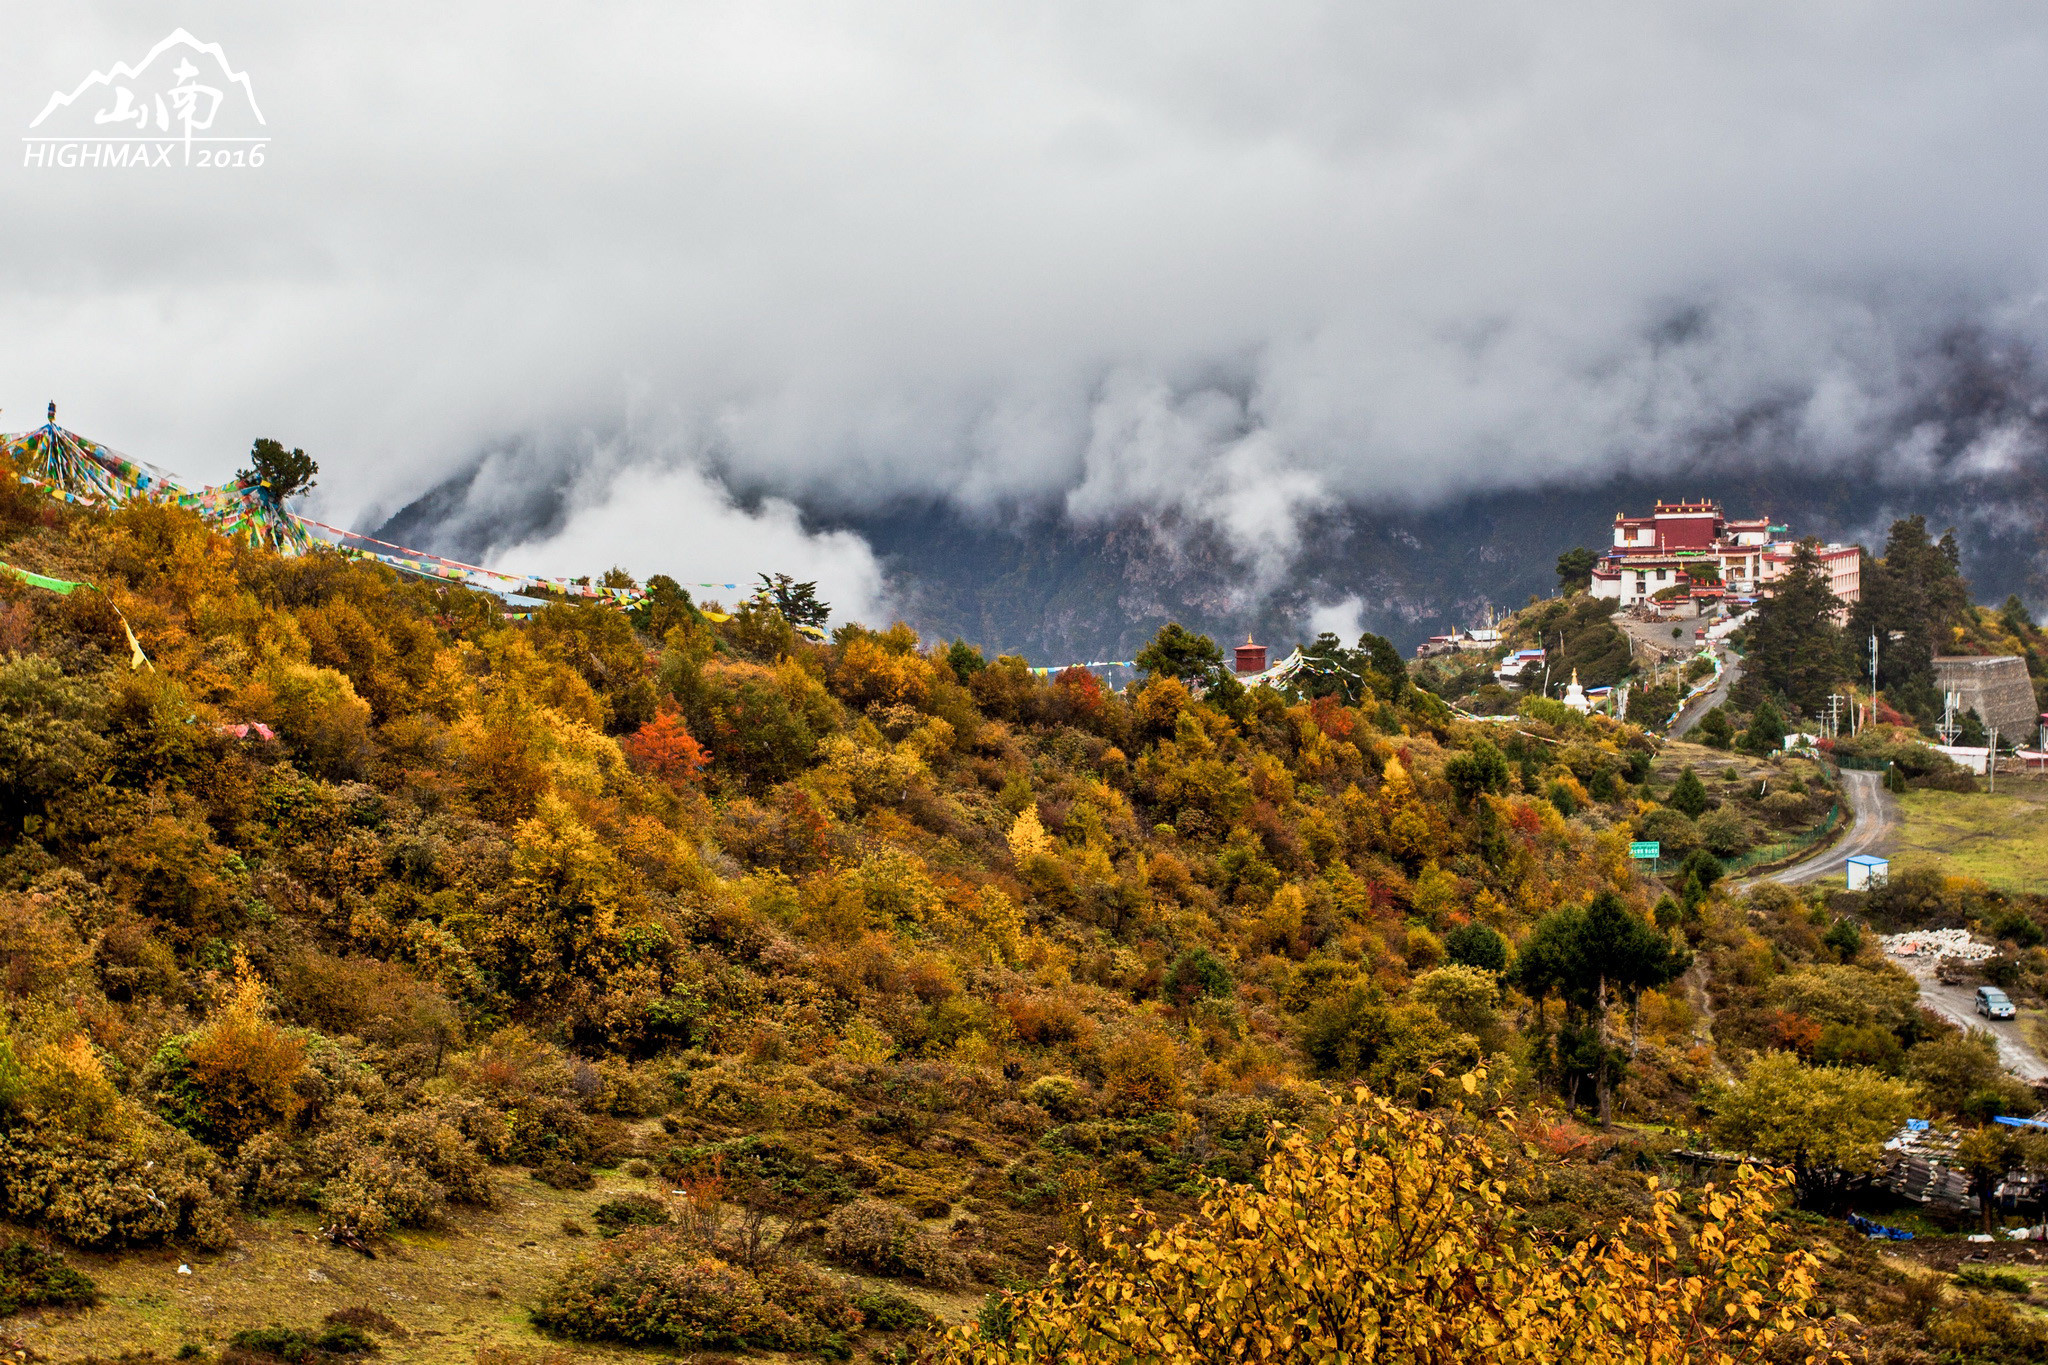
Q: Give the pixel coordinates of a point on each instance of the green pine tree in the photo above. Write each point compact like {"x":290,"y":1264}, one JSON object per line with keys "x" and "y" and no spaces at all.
{"x":1795,"y":650}
{"x":1912,"y":598}
{"x":1766,"y":732}
{"x":1688,"y":794}
{"x":284,"y":473}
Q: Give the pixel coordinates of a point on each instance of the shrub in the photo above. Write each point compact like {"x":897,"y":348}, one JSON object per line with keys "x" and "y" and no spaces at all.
{"x":289,"y":1344}
{"x":887,"y":1240}
{"x":1724,"y":832}
{"x":1976,"y":1277}
{"x":365,"y":1317}
{"x":891,"y":1312}
{"x":375,"y":1193}
{"x":33,"y":1278}
{"x":564,"y":1175}
{"x":663,"y":1287}
{"x":1194,"y":974}
{"x":139,"y":1184}
{"x":1060,"y":1096}
{"x":236,"y":1075}
{"x":615,"y":1216}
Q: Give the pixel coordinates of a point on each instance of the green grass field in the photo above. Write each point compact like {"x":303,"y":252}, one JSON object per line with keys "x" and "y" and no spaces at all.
{"x":2000,"y":839}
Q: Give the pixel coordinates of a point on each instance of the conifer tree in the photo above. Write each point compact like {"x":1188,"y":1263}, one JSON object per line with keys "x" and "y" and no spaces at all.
{"x":1795,"y":649}
{"x":1911,"y":599}
{"x":1688,"y":794}
{"x":1766,"y":732}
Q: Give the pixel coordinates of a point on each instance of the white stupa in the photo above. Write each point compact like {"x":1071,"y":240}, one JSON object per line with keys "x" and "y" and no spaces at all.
{"x":1575,"y":695}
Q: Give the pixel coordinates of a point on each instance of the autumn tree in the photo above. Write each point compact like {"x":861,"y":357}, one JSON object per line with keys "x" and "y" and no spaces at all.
{"x":235,"y":1075}
{"x":1827,"y":1123}
{"x":1392,"y":1239}
{"x":51,"y":735}
{"x":664,"y":748}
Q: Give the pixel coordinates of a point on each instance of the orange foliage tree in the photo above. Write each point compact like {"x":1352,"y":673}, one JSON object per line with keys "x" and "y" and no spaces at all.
{"x":664,"y":748}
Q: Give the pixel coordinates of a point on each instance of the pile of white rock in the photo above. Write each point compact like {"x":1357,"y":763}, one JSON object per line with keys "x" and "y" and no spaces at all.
{"x":1933,"y":943}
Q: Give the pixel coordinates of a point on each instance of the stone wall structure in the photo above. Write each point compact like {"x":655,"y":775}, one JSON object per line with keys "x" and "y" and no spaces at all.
{"x":1997,"y":688}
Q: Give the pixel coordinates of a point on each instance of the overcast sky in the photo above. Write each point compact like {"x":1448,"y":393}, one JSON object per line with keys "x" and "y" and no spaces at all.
{"x":1238,"y":260}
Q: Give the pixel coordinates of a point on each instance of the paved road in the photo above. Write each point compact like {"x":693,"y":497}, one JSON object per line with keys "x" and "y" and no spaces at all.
{"x":1871,"y":815}
{"x":1874,"y":816}
{"x":1731,"y":671}
{"x":1958,"y":1004}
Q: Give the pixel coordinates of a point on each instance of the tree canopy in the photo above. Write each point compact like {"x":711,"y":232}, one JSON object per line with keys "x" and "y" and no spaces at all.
{"x":1391,"y":1239}
{"x":1828,"y":1123}
{"x":1794,"y":648}
{"x":285,"y":473}
{"x":1177,"y":652}
{"x":1911,"y":598}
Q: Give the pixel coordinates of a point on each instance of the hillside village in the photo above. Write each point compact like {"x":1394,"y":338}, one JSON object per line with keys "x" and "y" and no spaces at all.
{"x":390,"y":968}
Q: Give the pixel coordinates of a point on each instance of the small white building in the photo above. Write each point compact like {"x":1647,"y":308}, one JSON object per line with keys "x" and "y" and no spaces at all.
{"x":1974,"y":757}
{"x":1516,"y":665}
{"x":1866,"y":871}
{"x":1575,"y":695}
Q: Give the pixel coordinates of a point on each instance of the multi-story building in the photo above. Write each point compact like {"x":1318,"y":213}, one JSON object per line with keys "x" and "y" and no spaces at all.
{"x":1693,"y":547}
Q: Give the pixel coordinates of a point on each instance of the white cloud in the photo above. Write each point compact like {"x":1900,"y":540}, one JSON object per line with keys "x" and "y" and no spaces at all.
{"x":1345,"y":620}
{"x":1228,"y":260}
{"x":681,"y":523}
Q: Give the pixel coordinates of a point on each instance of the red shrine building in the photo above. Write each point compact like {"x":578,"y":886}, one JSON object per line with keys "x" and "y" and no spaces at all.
{"x":1690,"y":550}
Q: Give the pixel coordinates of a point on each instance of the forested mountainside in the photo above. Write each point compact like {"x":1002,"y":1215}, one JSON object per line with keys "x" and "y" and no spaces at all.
{"x":835,"y":984}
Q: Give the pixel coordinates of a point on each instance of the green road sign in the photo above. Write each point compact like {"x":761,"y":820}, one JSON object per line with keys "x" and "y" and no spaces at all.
{"x":1639,"y":849}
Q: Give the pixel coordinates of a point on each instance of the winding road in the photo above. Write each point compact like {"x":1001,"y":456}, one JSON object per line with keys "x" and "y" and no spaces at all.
{"x":1871,"y":816}
{"x":1874,"y":815}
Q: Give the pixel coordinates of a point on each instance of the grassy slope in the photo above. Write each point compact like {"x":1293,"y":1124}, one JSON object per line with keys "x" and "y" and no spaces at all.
{"x":2001,"y":839}
{"x":453,"y":1290}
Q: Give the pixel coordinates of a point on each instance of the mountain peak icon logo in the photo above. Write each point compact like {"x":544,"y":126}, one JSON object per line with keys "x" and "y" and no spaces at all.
{"x":184,"y":93}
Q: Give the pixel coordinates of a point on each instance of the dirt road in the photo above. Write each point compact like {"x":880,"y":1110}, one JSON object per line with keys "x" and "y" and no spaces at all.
{"x":1872,"y":817}
{"x":1958,"y":1005}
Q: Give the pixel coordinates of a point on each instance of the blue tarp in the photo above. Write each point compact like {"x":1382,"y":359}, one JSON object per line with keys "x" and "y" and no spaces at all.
{"x":1870,"y":1229}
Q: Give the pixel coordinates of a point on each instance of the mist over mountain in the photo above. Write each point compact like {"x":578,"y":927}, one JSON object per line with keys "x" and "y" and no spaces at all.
{"x":1239,"y":301}
{"x":1059,"y":578}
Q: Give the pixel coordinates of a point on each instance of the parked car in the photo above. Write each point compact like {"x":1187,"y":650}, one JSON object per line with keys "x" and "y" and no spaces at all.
{"x":1993,"y":1003}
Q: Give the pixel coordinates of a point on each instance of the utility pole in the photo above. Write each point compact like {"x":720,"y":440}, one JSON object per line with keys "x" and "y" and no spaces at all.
{"x":1991,"y":760}
{"x":1873,"y":677}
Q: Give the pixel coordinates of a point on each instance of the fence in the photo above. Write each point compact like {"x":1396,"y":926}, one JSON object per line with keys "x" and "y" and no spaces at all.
{"x":1771,"y":853}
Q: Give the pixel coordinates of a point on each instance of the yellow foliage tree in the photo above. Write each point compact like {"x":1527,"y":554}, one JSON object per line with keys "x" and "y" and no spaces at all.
{"x":1393,"y":1240}
{"x":1028,"y":838}
{"x":237,"y":1074}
